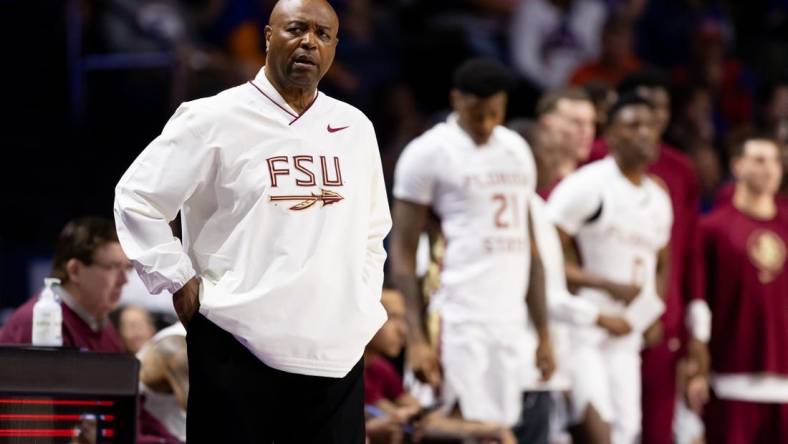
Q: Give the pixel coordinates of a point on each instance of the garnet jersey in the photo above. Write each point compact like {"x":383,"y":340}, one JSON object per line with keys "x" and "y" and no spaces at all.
{"x":619,"y":228}
{"x":480,"y":194}
{"x":747,"y":291}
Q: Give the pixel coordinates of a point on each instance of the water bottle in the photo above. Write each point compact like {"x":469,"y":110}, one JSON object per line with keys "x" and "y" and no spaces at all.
{"x":48,"y":317}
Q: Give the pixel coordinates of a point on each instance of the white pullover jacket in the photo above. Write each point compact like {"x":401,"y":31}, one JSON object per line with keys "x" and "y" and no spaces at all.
{"x":283,"y":220}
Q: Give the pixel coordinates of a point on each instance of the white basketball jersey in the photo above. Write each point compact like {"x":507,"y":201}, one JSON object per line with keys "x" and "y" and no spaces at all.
{"x":480,"y":194}
{"x":619,"y":227}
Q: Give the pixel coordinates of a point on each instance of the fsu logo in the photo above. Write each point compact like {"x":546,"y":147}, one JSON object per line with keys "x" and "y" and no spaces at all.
{"x":307,"y":200}
{"x":767,"y":253}
{"x":307,"y":171}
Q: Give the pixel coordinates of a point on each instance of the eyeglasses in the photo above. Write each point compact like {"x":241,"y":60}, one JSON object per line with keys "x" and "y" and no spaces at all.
{"x":125,"y":267}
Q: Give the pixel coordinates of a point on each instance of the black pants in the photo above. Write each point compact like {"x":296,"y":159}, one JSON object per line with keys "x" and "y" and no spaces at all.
{"x":235,"y":398}
{"x":534,"y":424}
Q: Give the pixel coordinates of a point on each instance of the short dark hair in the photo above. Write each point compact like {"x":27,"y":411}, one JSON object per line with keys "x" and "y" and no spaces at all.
{"x":739,"y":139}
{"x":625,"y":100}
{"x":483,"y":77}
{"x":80,"y":239}
{"x":598,"y":90}
{"x":649,"y":78}
{"x":550,"y":99}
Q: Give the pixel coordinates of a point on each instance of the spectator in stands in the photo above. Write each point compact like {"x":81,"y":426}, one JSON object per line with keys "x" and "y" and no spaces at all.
{"x":665,"y":42}
{"x":135,"y":326}
{"x":164,"y":384}
{"x":92,"y":270}
{"x":617,"y":58}
{"x":550,"y":38}
{"x":359,"y":73}
{"x":776,"y":122}
{"x":390,"y":409}
{"x":729,"y":81}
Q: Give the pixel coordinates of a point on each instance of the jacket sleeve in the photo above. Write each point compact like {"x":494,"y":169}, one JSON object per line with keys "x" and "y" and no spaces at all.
{"x":149,"y":196}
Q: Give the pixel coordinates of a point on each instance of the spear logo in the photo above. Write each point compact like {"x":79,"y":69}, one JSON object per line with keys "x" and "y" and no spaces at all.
{"x":306,"y":201}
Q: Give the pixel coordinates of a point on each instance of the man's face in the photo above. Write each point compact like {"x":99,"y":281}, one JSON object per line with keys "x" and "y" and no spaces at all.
{"x":390,"y":339}
{"x":632,"y":135}
{"x":99,"y":284}
{"x":479,"y":116}
{"x":576,"y":121}
{"x":301,"y":40}
{"x":760,"y":167}
{"x":660,"y":98}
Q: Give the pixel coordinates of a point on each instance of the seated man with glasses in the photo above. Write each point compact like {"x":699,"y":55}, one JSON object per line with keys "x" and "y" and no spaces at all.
{"x":92,"y":269}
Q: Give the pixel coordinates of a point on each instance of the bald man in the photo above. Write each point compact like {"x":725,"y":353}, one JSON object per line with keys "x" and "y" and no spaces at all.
{"x":283,"y":210}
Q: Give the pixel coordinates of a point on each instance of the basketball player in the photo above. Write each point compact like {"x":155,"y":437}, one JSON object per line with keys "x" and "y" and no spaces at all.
{"x":685,"y":325}
{"x":566,"y":313}
{"x":284,"y":210}
{"x":620,"y":219}
{"x":744,"y":247}
{"x":477,"y":177}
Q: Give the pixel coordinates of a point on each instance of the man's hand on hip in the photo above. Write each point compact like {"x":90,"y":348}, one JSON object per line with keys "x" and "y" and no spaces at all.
{"x":187,"y":301}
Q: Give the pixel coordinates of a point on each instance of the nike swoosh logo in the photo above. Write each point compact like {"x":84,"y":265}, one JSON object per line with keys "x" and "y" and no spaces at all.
{"x":333,"y":130}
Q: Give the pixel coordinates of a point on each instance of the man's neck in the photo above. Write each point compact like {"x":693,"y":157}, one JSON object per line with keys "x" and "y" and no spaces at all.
{"x":565,"y":167}
{"x":633,"y":173}
{"x":759,"y":206}
{"x":298,"y":98}
{"x":76,"y":297}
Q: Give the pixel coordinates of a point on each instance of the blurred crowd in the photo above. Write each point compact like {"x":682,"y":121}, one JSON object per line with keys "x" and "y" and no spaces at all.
{"x":723,"y":61}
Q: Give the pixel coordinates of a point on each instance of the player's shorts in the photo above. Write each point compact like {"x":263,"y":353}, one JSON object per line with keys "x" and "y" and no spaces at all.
{"x":608,"y":378}
{"x":486,"y":368}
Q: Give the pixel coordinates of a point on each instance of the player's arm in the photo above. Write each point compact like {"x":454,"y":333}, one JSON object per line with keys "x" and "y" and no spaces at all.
{"x":654,"y":333}
{"x":694,"y":371}
{"x":536,"y":300}
{"x":410,"y":220}
{"x":577,"y":276}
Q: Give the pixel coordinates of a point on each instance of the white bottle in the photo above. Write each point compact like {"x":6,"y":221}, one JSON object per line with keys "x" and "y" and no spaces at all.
{"x":48,"y":317}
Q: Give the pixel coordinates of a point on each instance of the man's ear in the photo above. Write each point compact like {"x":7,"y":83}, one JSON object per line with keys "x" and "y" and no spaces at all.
{"x":268,"y":31}
{"x":455,"y":97}
{"x":74,"y":270}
